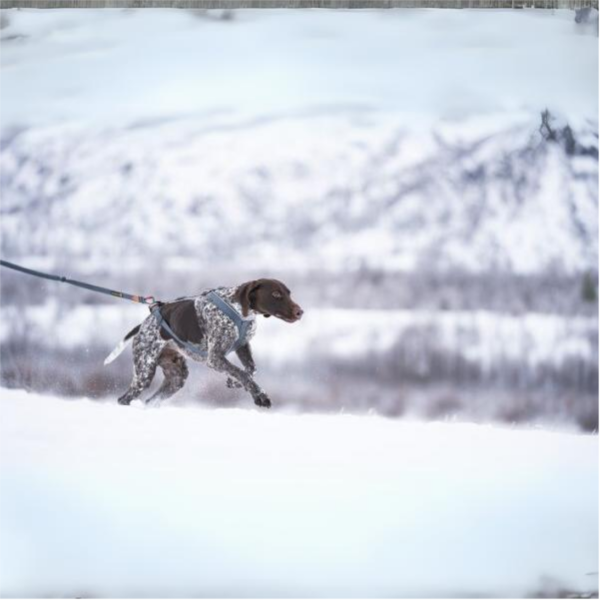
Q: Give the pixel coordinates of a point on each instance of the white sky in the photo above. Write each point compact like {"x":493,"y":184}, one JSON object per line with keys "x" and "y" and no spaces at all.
{"x":108,"y":66}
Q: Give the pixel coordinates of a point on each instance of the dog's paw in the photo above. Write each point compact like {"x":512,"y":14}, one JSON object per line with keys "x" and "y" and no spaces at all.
{"x":232,"y":384}
{"x":262,"y":400}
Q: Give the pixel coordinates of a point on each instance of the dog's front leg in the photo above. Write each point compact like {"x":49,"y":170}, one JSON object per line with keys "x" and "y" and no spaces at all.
{"x":244,"y":353}
{"x":217,"y":361}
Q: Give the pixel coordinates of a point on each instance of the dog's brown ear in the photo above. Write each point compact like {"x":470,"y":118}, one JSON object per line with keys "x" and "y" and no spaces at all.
{"x":243,"y":295}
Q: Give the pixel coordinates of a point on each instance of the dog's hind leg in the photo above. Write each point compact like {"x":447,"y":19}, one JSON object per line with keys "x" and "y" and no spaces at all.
{"x":175,"y":371}
{"x":145,"y":361}
{"x":139,"y":383}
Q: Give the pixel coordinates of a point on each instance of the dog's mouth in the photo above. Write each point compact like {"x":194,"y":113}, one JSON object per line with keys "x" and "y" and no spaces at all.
{"x":286,"y":318}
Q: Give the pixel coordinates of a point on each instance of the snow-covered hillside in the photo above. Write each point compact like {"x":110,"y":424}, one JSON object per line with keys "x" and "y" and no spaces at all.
{"x":333,"y":192}
{"x":100,"y":500}
{"x":397,"y":140}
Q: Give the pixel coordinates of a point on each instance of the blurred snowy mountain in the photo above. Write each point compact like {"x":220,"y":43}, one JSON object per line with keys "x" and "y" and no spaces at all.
{"x":337,"y":140}
{"x":333,"y":190}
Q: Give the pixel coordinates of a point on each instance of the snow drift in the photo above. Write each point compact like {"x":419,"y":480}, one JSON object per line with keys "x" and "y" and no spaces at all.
{"x":98,"y":500}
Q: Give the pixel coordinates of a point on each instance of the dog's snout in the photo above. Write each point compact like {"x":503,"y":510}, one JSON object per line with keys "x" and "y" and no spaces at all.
{"x":298,"y":312}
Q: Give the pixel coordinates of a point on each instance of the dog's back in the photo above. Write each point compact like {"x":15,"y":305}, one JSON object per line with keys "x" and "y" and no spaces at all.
{"x":182,"y":318}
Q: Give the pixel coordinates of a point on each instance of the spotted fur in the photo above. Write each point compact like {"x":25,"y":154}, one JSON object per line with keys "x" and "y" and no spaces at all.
{"x":150,"y":351}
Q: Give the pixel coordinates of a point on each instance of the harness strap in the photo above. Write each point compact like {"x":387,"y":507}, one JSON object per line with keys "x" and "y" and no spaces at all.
{"x":187,"y":345}
{"x":241,"y":324}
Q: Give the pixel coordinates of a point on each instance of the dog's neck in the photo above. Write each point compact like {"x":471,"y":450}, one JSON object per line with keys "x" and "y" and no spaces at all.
{"x":230,"y":294}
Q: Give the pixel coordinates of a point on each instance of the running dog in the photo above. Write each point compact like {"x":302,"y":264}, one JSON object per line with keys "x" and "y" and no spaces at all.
{"x":205,"y":328}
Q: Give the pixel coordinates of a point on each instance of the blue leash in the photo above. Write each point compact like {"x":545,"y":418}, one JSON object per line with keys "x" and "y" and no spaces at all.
{"x":81,"y":284}
{"x":241,"y":324}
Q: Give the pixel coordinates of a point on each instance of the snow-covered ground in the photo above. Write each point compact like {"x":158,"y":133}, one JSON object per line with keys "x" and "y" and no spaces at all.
{"x":101,"y":500}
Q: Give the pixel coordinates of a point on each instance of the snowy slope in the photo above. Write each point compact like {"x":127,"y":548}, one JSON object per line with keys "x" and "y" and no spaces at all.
{"x":318,"y":191}
{"x":127,"y":134}
{"x":99,"y":500}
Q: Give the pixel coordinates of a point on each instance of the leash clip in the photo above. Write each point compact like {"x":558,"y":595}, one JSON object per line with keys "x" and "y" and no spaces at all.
{"x":149,"y":300}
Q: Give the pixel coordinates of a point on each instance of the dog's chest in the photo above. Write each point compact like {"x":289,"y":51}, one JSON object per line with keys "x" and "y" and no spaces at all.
{"x":220,"y":329}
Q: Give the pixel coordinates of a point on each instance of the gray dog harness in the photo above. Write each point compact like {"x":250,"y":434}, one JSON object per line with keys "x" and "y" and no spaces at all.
{"x":240,"y":323}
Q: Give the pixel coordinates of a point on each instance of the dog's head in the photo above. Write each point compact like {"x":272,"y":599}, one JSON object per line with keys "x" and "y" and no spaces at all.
{"x":270,"y":298}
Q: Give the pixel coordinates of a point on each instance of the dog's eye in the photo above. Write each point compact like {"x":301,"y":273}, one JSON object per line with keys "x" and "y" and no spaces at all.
{"x":277,"y":295}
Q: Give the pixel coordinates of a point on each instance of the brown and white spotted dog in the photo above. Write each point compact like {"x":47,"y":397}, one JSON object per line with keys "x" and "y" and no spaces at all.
{"x":198,"y":321}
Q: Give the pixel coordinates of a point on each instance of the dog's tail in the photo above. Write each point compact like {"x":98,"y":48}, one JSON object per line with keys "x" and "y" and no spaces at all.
{"x":121,"y":346}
